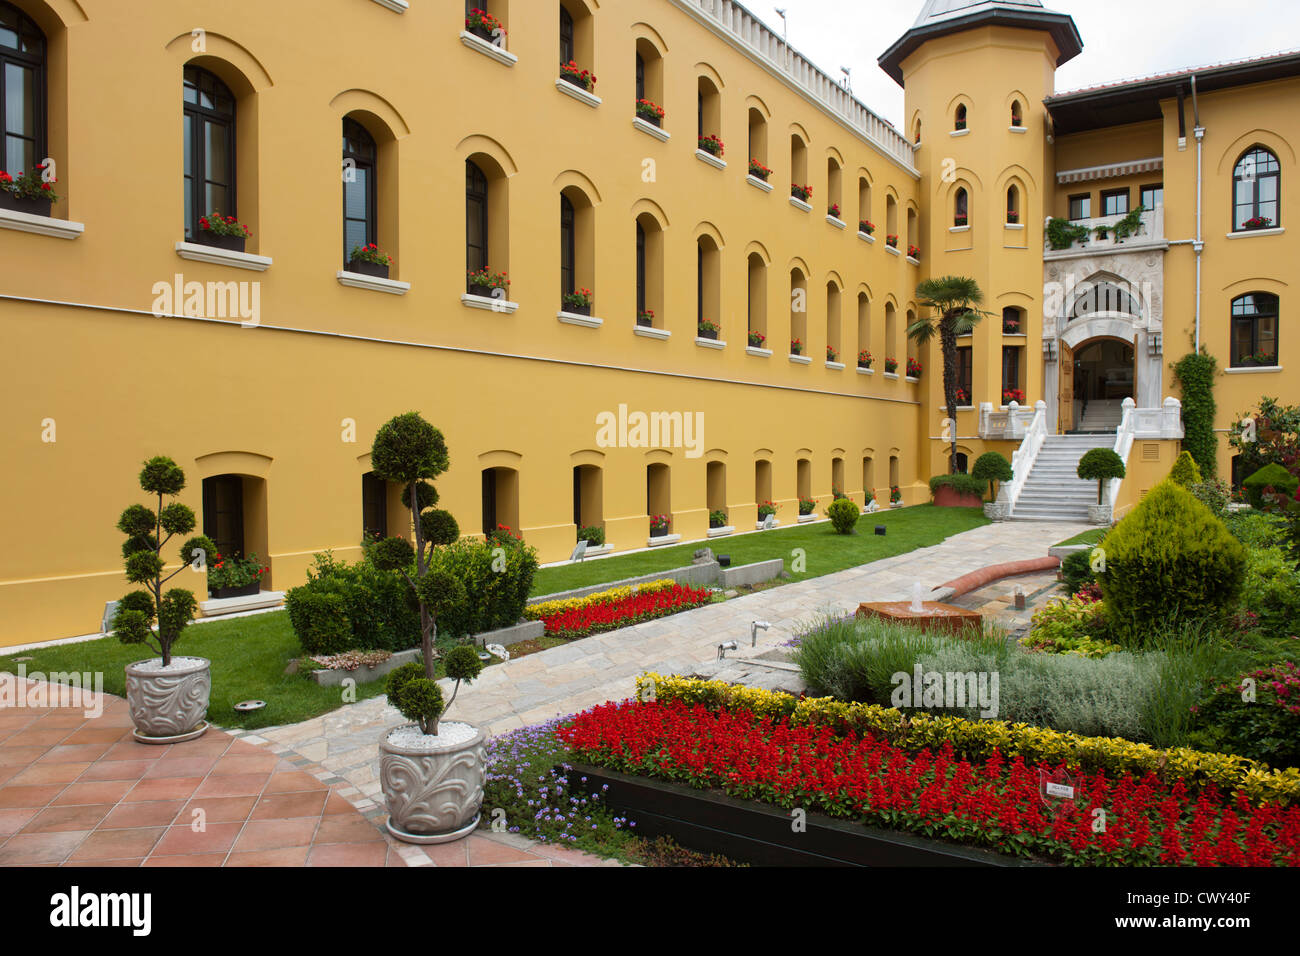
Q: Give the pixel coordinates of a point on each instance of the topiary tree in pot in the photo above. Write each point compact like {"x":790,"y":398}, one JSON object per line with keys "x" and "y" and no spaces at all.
{"x":992,"y":466}
{"x":431,"y":774}
{"x":167,"y":696}
{"x":1100,"y":465}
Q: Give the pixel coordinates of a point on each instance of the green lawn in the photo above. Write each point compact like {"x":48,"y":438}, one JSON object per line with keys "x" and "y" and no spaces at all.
{"x":248,"y":656}
{"x":908,"y":529}
{"x":1091,"y":536}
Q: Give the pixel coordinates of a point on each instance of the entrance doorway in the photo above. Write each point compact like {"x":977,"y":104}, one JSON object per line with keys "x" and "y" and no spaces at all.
{"x":1096,"y":377}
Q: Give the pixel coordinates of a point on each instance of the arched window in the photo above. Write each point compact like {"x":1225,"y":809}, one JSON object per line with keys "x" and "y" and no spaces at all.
{"x":566,"y":36}
{"x":360,"y":158}
{"x":1257,"y":186}
{"x":1103,"y":297}
{"x":961,"y":209}
{"x":1013,"y":205}
{"x":476,"y":218}
{"x":22,"y":91}
{"x":1016,"y":120}
{"x":640,"y":273}
{"x":960,"y":122}
{"x":640,"y":77}
{"x":209,"y":148}
{"x":1254,"y":330}
{"x":568,"y":246}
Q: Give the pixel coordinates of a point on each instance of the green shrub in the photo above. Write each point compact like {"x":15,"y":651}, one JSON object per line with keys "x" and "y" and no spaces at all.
{"x":1272,"y":476}
{"x":1185,"y":472}
{"x":1271,"y":591}
{"x":855,"y":659}
{"x":1266,"y":728}
{"x":1100,"y":465}
{"x":1195,"y":376}
{"x":1076,"y":570}
{"x":416,"y":697}
{"x":844,"y":515}
{"x":1214,"y":494}
{"x":378,"y":606}
{"x":1077,"y":626}
{"x":962,"y":484}
{"x":493,"y":598}
{"x":992,"y":466}
{"x":320,"y":619}
{"x":595,"y":537}
{"x":1170,"y":559}
{"x":1096,"y":698}
{"x":1255,"y":529}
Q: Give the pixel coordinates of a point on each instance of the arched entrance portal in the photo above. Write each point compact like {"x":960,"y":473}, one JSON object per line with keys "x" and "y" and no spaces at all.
{"x":1103,"y":374}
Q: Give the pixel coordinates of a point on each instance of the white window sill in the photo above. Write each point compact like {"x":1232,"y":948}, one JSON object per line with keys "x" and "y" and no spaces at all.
{"x":397,"y":6}
{"x":488,"y":48}
{"x":721,"y":532}
{"x":650,"y":332}
{"x":915,"y":262}
{"x":866,"y":371}
{"x":965,"y":228}
{"x":1018,"y":129}
{"x":40,"y":225}
{"x":758,"y":183}
{"x":808,"y":519}
{"x":198,"y":252}
{"x":709,"y":343}
{"x":757,"y":352}
{"x":489,"y":303}
{"x":837,"y":223}
{"x":1015,"y":335}
{"x":1013,"y":225}
{"x":912,"y":380}
{"x":577,"y":92}
{"x":866,"y":237}
{"x":835,"y":366}
{"x":892,"y":250}
{"x":960,"y":132}
{"x":891,"y":375}
{"x":356,"y":280}
{"x":650,"y":129}
{"x":801,"y":359}
{"x":1251,"y":369}
{"x":800,"y":204}
{"x":662,"y":540}
{"x":706,"y":157}
{"x":586,"y":321}
{"x":1246,"y":233}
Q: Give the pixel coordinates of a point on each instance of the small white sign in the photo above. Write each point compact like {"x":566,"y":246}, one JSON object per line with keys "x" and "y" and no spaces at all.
{"x":1060,"y":790}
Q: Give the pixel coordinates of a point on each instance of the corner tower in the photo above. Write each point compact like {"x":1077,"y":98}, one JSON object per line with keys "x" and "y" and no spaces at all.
{"x":975,"y":74}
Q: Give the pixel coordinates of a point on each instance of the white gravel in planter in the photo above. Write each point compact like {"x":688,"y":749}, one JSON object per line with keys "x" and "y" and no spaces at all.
{"x":449,"y":735}
{"x":178,"y":663}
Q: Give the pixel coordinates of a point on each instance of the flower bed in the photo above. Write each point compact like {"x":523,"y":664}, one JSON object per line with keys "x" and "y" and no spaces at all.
{"x":977,"y":739}
{"x":615,"y":608}
{"x":993,"y":803}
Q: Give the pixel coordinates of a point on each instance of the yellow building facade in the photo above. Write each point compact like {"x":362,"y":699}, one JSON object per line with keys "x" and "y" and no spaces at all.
{"x":266,"y":372}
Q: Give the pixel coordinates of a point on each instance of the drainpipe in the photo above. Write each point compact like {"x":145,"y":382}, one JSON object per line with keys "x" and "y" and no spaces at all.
{"x":1199,"y":246}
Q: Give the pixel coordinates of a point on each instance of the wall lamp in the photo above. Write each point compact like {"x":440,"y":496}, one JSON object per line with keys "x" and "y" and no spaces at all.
{"x":1049,"y":350}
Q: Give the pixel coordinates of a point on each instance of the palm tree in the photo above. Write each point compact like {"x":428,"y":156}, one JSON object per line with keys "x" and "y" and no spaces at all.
{"x":953,"y":299}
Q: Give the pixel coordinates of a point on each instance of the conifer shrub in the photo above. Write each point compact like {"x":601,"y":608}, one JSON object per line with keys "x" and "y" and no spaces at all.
{"x":844,"y":515}
{"x":1169,"y":560}
{"x":1185,"y":472}
{"x":1272,"y":476}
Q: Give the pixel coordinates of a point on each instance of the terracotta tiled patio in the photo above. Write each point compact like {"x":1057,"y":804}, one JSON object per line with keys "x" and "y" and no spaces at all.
{"x":79,"y":791}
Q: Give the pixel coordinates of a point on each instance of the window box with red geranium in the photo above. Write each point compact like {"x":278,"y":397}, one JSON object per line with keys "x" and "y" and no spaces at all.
{"x":756,"y":340}
{"x":891,"y":241}
{"x":1010,"y":326}
{"x":652,"y":113}
{"x":223,"y":232}
{"x":646,"y":318}
{"x":913,"y":368}
{"x":865,"y":359}
{"x":832,"y":355}
{"x":578,"y":303}
{"x":796,"y":347}
{"x":758,"y":170}
{"x":891,"y":366}
{"x":235,"y":576}
{"x":866,"y":227}
{"x":659,"y":525}
{"x":962,"y":220}
{"x":895,"y":497}
{"x":801,"y":193}
{"x":572,"y":73}
{"x":711,"y":145}
{"x":962,"y":397}
{"x":1257,"y":222}
{"x":914,"y":252}
{"x":485,"y":26}
{"x":1010,"y":395}
{"x":485,"y":282}
{"x":369,"y":261}
{"x":834,"y":211}
{"x":1013,"y":217}
{"x":707,"y":330}
{"x":28,"y":192}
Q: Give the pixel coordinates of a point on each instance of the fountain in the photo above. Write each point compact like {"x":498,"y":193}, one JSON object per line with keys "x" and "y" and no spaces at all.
{"x":927,"y":615}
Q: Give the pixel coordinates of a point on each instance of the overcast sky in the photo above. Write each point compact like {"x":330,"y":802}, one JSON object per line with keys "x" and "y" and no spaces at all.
{"x":1121,"y":38}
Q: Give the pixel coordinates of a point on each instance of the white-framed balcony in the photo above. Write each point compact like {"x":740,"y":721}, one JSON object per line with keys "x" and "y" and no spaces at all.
{"x":1150,"y":234}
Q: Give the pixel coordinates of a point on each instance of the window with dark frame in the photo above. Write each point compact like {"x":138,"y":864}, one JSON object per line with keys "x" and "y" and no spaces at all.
{"x":360,"y":157}
{"x":960,"y":216}
{"x":566,"y":36}
{"x":965,"y":373}
{"x":476,"y":218}
{"x":374,"y":507}
{"x":960,"y":123}
{"x":699,"y":112}
{"x":699,"y":281}
{"x":640,"y":270}
{"x":1254,"y":330}
{"x":1010,"y":367}
{"x":640,"y":77}
{"x":568,"y":248}
{"x":1080,"y":207}
{"x":209,"y":110}
{"x":22,"y":91}
{"x":223,"y":514}
{"x":489,"y":500}
{"x":1152,"y":196}
{"x":1257,"y":188}
{"x":1114,"y":202}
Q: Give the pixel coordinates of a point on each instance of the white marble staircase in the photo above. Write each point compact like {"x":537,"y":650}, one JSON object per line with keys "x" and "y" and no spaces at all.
{"x":1053,"y":490}
{"x":1102,"y":415}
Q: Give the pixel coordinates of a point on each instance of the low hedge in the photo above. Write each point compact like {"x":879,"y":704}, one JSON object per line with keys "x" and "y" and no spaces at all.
{"x":971,"y":739}
{"x":962,"y":484}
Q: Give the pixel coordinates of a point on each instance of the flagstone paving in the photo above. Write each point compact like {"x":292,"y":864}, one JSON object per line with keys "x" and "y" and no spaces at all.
{"x":587,"y":672}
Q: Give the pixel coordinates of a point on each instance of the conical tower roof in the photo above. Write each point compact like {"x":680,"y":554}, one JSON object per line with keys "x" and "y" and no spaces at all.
{"x":942,"y":17}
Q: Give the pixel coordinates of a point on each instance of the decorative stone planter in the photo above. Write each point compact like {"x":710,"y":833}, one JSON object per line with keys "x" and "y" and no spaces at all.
{"x":248,"y":590}
{"x":368,"y":268}
{"x":168,"y":705}
{"x":364,"y":675}
{"x":1100,"y":514}
{"x":33,"y":207}
{"x":948,"y":497}
{"x":997,"y":510}
{"x":433,"y":789}
{"x":229,"y":243}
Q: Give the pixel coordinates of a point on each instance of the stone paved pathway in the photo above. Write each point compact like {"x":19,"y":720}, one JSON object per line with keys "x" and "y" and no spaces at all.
{"x":570,"y":678}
